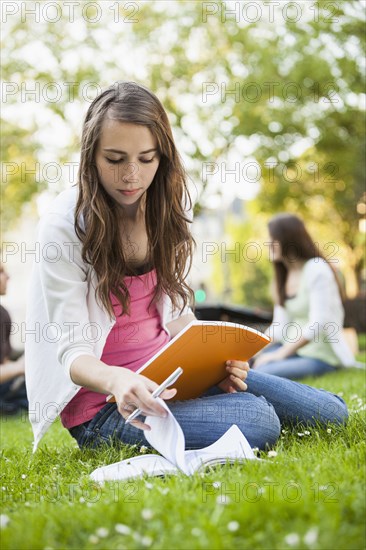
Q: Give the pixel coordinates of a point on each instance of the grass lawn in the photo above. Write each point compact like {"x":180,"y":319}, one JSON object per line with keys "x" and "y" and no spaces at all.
{"x":310,"y":495}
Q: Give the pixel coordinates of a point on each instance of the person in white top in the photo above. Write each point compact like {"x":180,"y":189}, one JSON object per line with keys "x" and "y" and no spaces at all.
{"x":128,"y":219}
{"x":308,"y":312}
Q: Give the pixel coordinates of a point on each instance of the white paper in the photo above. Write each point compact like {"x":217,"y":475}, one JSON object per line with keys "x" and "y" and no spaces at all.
{"x":167,"y":437}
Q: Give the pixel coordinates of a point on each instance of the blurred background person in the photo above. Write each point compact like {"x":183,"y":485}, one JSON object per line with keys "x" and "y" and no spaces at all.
{"x":307,"y":326}
{"x":13,"y":397}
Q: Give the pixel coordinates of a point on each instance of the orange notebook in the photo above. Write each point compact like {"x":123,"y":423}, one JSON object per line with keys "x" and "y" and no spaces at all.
{"x":201,"y":349}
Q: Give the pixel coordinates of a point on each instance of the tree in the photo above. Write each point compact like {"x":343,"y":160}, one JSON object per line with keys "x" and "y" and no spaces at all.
{"x":279,"y":90}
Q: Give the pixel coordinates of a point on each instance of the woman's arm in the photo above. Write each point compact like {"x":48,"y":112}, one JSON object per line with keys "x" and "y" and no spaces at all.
{"x":177,"y":325}
{"x":130,"y":390}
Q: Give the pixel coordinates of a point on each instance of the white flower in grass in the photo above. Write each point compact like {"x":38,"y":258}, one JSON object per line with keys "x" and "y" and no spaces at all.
{"x":292,"y":539}
{"x":143,"y":449}
{"x":307,"y":432}
{"x":146,"y":541}
{"x":223,"y":499}
{"x":255,"y":449}
{"x":272,"y":453}
{"x":311,"y":536}
{"x":149,"y":485}
{"x":147,"y":514}
{"x":102,"y":532}
{"x":300,"y":434}
{"x":164,"y":490}
{"x":23,"y":476}
{"x":82,"y":500}
{"x":196,"y":532}
{"x":93,"y":539}
{"x":216,"y":484}
{"x":122,"y":529}
{"x":233,"y":526}
{"x":329,"y":430}
{"x":4,"y":520}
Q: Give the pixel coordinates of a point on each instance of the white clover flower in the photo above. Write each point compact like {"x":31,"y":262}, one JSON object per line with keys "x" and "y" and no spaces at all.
{"x":23,"y":476}
{"x":307,"y":432}
{"x":216,"y":484}
{"x":272,"y":453}
{"x":143,"y":449}
{"x":300,"y":434}
{"x":329,"y":430}
{"x":292,"y":539}
{"x":149,"y":485}
{"x":102,"y":532}
{"x":311,"y":536}
{"x":233,"y":526}
{"x":4,"y":520}
{"x":146,"y":541}
{"x":122,"y":529}
{"x":147,"y":514}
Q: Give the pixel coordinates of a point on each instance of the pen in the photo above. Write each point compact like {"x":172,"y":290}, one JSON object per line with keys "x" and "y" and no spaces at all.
{"x":168,"y":382}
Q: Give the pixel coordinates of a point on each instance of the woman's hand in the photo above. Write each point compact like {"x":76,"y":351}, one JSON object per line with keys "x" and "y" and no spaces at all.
{"x":237,"y":373}
{"x":133,"y":391}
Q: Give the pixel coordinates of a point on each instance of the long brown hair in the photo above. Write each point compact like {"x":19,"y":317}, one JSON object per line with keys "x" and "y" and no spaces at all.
{"x":296,"y":244}
{"x":170,"y":244}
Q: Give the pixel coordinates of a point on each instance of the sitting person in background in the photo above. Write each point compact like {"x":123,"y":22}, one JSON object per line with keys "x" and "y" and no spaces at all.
{"x":13,"y":395}
{"x":308,"y":313}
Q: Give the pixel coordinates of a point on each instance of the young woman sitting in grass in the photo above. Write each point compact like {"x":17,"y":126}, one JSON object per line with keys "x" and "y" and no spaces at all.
{"x":110,"y":290}
{"x":308,"y":314}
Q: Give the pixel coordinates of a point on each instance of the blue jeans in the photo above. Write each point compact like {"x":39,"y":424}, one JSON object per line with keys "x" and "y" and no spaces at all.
{"x":258,"y":412}
{"x":294,"y":366}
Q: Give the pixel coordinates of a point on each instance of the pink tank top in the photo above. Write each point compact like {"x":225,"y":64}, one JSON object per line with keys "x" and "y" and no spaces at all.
{"x":133,"y":340}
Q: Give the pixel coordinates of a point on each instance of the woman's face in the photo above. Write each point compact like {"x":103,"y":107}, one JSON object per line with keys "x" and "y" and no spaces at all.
{"x":127,"y":159}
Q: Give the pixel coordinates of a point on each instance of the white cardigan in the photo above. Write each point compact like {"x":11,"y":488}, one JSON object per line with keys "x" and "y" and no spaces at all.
{"x":63,"y":318}
{"x":326,"y":313}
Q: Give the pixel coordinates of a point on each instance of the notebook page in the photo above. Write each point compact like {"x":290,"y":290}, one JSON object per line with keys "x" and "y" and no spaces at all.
{"x":153,"y":465}
{"x":232,"y":445}
{"x":166,"y":436}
